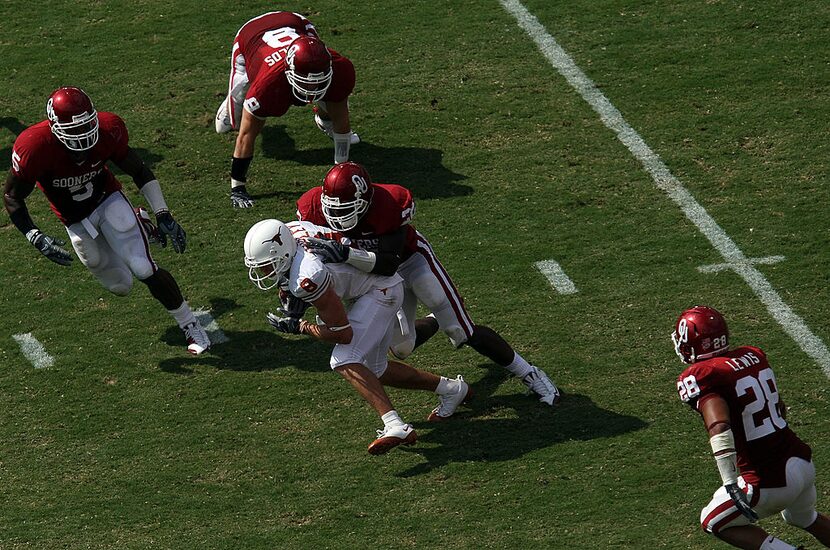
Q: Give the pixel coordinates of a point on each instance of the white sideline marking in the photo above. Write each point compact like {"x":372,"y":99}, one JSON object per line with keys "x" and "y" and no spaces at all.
{"x":556,"y":275}
{"x":211,"y":326}
{"x":665,"y":181}
{"x":715,"y":268}
{"x":34,"y":351}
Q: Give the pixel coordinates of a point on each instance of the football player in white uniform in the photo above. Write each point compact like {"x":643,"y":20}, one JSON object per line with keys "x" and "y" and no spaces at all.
{"x":275,"y":256}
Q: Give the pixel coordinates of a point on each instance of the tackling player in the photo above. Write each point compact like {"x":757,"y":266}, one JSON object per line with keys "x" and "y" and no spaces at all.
{"x":277,"y":60}
{"x":361,"y":335}
{"x":66,"y":156}
{"x":764,"y":466}
{"x":376,"y":219}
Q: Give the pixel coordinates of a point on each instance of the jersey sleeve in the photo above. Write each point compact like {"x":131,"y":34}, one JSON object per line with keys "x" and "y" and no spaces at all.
{"x":696,"y":383}
{"x":26,"y":162}
{"x":305,"y":206}
{"x":311,"y":279}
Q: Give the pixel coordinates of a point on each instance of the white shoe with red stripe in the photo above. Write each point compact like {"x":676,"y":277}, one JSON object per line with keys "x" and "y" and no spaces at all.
{"x":197,"y":339}
{"x":392,"y":436}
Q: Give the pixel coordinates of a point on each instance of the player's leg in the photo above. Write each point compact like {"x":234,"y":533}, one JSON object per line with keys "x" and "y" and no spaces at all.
{"x":97,"y":256}
{"x":403,"y":329}
{"x":229,"y":114}
{"x":122,"y":231}
{"x":801,"y":509}
{"x":451,"y":392}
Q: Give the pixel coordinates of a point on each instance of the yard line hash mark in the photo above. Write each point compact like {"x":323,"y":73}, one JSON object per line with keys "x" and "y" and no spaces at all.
{"x":766,"y":260}
{"x":793,"y":325}
{"x":556,"y":275}
{"x":211,"y":326}
{"x":34,"y":351}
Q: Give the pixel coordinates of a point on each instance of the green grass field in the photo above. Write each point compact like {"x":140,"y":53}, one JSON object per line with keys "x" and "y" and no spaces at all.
{"x":128,"y":442}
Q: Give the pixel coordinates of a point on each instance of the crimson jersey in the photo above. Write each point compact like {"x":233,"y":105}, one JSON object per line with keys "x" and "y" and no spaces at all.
{"x":392,"y":207}
{"x":73,"y":190}
{"x":744,"y":379}
{"x":263,"y":42}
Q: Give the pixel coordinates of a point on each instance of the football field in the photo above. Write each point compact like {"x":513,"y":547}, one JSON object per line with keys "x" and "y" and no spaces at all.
{"x":584,"y":170}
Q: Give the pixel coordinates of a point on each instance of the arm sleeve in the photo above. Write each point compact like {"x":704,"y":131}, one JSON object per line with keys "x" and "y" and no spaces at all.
{"x":390,"y":252}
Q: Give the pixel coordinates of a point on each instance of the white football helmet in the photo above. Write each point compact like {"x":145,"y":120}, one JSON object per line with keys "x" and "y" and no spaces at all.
{"x":269,"y":250}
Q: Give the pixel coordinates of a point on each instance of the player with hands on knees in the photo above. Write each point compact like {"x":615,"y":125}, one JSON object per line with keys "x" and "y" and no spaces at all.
{"x":66,"y":156}
{"x":764,"y":467}
{"x":277,"y":61}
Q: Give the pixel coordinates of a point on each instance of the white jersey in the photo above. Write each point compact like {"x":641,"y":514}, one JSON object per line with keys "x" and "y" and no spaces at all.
{"x":309,"y":277}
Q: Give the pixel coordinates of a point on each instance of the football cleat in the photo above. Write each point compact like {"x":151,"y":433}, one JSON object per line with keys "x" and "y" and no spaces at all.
{"x":223,"y":119}
{"x":326,"y":128}
{"x":197,"y":339}
{"x":392,"y":436}
{"x":538,"y":382}
{"x":240,"y":198}
{"x":460,"y":393}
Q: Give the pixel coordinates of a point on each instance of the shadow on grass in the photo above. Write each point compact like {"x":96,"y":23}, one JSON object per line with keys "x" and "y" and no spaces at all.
{"x":15,"y":126}
{"x":252,"y":351}
{"x":473,"y":436}
{"x":419,"y":169}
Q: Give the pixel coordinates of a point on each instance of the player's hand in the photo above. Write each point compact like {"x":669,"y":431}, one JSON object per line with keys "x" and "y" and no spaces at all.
{"x":50,"y":247}
{"x":288,"y":325}
{"x":292,"y":306}
{"x":329,"y":250}
{"x":240,"y":198}
{"x":739,"y":498}
{"x":168,"y":227}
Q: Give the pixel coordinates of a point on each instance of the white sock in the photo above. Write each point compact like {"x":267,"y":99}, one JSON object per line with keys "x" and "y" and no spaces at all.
{"x":391,"y":419}
{"x":443,"y":386}
{"x":519,"y":366}
{"x":773,"y":543}
{"x":183,"y":315}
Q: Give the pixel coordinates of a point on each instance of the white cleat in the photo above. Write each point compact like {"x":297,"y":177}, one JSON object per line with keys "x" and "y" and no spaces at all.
{"x":197,"y":339}
{"x":326,"y":128}
{"x":460,"y":393}
{"x":392,"y":436}
{"x":223,"y":119}
{"x":538,"y":382}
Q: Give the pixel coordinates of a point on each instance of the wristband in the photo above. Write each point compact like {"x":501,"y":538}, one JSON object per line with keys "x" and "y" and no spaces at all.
{"x":723,"y":447}
{"x":152,"y":193}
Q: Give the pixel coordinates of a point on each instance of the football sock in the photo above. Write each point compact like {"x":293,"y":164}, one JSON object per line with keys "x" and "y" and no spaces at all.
{"x":164,"y":288}
{"x":519,"y":366}
{"x":391,"y":419}
{"x":773,"y":543}
{"x":183,"y":315}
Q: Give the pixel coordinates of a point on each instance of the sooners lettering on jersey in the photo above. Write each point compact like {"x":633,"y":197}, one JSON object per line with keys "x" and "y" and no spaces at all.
{"x":73,"y":189}
{"x":263,"y":42}
{"x":391,"y":208}
{"x":744,"y":379}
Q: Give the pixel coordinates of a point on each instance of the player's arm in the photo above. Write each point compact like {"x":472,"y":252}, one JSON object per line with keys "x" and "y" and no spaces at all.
{"x":149,"y":187}
{"x":15,"y":192}
{"x":383,"y":262}
{"x":716,"y":418}
{"x":336,"y":329}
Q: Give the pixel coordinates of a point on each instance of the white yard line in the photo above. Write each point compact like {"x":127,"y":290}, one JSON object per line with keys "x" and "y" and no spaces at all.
{"x":665,"y":181}
{"x":34,"y":350}
{"x":714,"y":268}
{"x":556,"y":275}
{"x":211,"y":326}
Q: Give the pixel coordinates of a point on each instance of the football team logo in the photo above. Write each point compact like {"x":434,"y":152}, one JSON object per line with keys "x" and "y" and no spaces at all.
{"x":275,"y":239}
{"x":360,"y":185}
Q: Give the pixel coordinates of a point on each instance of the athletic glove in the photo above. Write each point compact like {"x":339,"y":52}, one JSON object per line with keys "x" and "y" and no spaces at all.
{"x":240,"y":198}
{"x":168,"y":227}
{"x":739,"y":498}
{"x":329,"y":250}
{"x":288,"y":325}
{"x":50,"y":247}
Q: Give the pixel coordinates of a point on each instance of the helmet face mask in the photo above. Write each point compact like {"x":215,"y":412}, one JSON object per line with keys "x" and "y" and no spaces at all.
{"x":309,"y":70}
{"x":347,"y":195}
{"x":700,"y":333}
{"x":73,"y":119}
{"x":269,"y":250}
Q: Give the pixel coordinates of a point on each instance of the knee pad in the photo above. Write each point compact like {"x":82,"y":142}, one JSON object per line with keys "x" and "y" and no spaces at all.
{"x":141,"y":267}
{"x":118,"y":281}
{"x":403,"y":348}
{"x":799,"y":518}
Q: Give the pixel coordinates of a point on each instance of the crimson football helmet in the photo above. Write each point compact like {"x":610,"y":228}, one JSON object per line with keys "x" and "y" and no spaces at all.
{"x":269,"y":250}
{"x":308,"y":69}
{"x":347,"y":193}
{"x":73,"y":118}
{"x":700,"y":333}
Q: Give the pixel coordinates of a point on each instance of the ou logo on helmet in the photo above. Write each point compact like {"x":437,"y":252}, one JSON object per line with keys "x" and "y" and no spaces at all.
{"x":289,"y":55}
{"x":360,"y":184}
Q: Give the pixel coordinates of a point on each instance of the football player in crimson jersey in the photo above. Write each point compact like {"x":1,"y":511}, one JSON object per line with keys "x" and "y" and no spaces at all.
{"x":66,"y":157}
{"x":764,"y":466}
{"x":376,"y":218}
{"x":277,"y":60}
{"x":275,"y":255}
